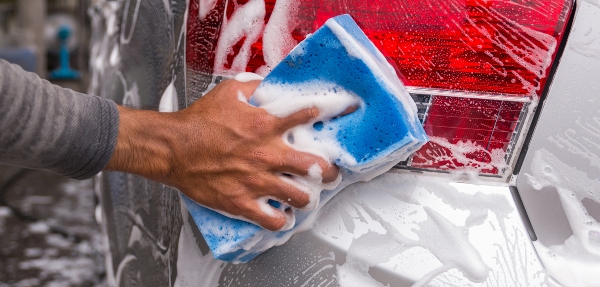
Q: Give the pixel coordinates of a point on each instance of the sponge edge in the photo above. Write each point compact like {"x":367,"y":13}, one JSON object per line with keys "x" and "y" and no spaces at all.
{"x":333,"y":69}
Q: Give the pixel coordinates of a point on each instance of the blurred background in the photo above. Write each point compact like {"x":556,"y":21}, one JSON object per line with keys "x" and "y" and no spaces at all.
{"x":48,"y":231}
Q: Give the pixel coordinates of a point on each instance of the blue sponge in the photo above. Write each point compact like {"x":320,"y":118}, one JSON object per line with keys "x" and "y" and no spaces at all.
{"x":337,"y":60}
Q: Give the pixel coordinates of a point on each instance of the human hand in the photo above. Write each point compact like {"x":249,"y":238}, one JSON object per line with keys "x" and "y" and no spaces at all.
{"x":222,"y":153}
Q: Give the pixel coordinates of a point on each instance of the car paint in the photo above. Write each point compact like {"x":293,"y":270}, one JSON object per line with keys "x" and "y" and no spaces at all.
{"x":565,"y":138}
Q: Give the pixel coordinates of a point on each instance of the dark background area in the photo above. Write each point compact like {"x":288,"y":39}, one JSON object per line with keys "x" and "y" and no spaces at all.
{"x":49,"y":235}
{"x":48,"y":232}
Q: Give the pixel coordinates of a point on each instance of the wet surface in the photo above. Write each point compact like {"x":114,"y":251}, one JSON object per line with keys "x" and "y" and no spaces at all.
{"x":48,"y":235}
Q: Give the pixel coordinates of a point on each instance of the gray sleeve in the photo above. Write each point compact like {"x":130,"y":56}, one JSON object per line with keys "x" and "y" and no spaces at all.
{"x":44,"y":126}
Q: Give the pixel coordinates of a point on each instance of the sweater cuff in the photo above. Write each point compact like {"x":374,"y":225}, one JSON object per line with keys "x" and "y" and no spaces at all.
{"x":107,"y":140}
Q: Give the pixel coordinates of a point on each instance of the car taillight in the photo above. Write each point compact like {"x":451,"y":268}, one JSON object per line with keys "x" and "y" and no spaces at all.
{"x":474,"y":67}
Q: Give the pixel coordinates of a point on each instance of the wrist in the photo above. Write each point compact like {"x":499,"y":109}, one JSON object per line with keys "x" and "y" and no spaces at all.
{"x":144,"y":143}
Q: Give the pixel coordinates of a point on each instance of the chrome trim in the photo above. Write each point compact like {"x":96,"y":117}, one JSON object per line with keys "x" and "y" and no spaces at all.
{"x":469,"y":95}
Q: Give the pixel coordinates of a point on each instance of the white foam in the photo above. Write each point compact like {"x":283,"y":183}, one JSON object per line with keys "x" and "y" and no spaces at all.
{"x":577,"y":261}
{"x":430,"y":231}
{"x":115,"y":57}
{"x":104,"y":20}
{"x":168,"y":100}
{"x":534,"y":56}
{"x":312,"y":184}
{"x":126,"y":35}
{"x":265,"y":207}
{"x":132,"y":96}
{"x":241,"y":97}
{"x":205,"y":7}
{"x":277,"y":36}
{"x":460,"y":165}
{"x":582,"y":140}
{"x":247,"y":21}
{"x":283,"y":100}
{"x":247,"y":77}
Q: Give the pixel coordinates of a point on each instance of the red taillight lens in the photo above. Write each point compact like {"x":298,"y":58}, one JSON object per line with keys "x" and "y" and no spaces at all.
{"x":471,"y":133}
{"x":479,"y":63}
{"x":483,"y":46}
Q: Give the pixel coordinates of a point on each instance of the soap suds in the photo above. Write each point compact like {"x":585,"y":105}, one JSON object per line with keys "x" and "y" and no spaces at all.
{"x":192,"y":265}
{"x":115,"y":56}
{"x":205,"y":6}
{"x":264,"y":205}
{"x":587,"y":43}
{"x":277,"y":36}
{"x":104,"y":50}
{"x":283,"y":100}
{"x":169,"y":101}
{"x":535,"y":56}
{"x":241,"y":97}
{"x":459,"y":161}
{"x":577,"y":261}
{"x":246,"y":25}
{"x":247,"y":77}
{"x":462,"y":234}
{"x":584,"y":143}
{"x":312,"y":184}
{"x":127,"y":34}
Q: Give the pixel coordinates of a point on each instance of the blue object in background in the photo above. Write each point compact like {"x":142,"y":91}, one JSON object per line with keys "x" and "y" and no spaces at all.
{"x":24,"y":57}
{"x":380,"y":134}
{"x":64,"y":71}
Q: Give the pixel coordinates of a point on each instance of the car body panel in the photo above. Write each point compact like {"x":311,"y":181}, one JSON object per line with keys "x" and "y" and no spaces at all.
{"x":559,"y":182}
{"x":567,"y":124}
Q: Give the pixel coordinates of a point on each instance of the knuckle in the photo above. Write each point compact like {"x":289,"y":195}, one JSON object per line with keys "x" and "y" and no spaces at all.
{"x":303,"y":116}
{"x":331,"y":173}
{"x":309,"y":113}
{"x":323,"y":164}
{"x":276,"y":160}
{"x":233,"y":206}
{"x":263,"y":123}
{"x":246,"y":207}
{"x":260,"y":156}
{"x":253,"y":181}
{"x":303,"y":199}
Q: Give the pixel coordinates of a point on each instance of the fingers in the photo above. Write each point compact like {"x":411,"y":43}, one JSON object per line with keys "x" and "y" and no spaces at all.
{"x":268,"y":217}
{"x":348,"y":111}
{"x":300,"y":163}
{"x":285,"y":192}
{"x":307,"y":115}
{"x":298,"y":118}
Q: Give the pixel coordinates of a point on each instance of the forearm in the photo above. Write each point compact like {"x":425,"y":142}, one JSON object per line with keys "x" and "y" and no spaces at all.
{"x":47,"y":127}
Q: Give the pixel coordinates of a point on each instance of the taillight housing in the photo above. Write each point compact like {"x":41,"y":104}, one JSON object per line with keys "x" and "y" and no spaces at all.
{"x":476,"y":68}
